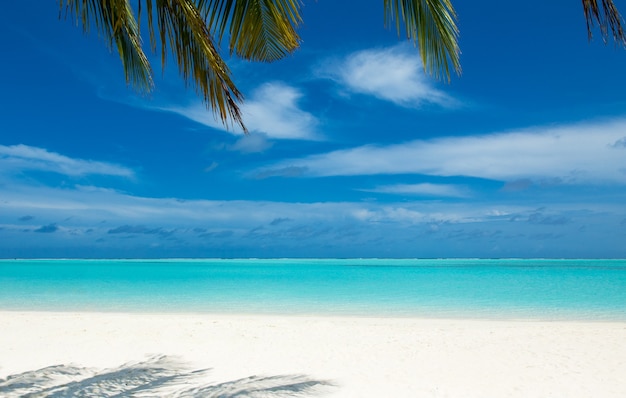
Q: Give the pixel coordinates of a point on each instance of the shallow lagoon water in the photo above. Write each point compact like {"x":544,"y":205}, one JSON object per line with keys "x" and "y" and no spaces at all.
{"x":469,"y":288}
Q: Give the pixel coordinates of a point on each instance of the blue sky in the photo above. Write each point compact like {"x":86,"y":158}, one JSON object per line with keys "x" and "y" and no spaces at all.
{"x":353,"y":151}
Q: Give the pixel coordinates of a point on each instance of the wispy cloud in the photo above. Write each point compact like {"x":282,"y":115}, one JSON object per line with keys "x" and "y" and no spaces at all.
{"x":251,"y":143}
{"x":392,"y":74}
{"x":272,"y":109}
{"x":541,"y":218}
{"x":426,"y":189}
{"x":574,"y":154}
{"x":17,"y":158}
{"x":211,"y":167}
{"x":113,"y":223}
{"x":288,"y":171}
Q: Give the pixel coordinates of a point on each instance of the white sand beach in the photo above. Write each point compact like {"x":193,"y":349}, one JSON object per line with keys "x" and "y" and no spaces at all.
{"x":208,"y":355}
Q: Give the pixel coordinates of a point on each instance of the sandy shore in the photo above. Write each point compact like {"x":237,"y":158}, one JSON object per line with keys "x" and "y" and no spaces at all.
{"x":281,"y":356}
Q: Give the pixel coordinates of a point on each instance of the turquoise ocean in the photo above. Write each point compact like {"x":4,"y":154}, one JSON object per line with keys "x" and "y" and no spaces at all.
{"x":467,"y":288}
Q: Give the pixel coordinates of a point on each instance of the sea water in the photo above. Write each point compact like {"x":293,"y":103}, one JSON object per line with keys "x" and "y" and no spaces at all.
{"x":469,"y":288}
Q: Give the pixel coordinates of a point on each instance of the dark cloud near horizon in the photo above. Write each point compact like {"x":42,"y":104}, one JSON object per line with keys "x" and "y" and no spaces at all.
{"x":280,"y":220}
{"x":26,"y":218}
{"x":217,"y":234}
{"x":540,"y":218}
{"x":619,"y":143}
{"x":434,"y":227}
{"x":462,"y":234}
{"x":47,"y":229}
{"x":140,"y":230}
{"x":298,"y":232}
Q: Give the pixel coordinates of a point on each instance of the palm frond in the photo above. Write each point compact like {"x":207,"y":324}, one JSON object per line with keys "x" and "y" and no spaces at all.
{"x":259,"y":30}
{"x":114,"y":19}
{"x":181,"y":27}
{"x":431,"y":24}
{"x":608,"y":17}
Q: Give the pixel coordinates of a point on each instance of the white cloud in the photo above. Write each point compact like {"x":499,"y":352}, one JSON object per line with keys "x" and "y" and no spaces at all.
{"x":17,"y":158}
{"x":272,"y":110}
{"x":104,"y":209}
{"x":89,"y":221}
{"x":89,"y":204}
{"x":251,"y":143}
{"x":427,"y":189}
{"x":574,"y":154}
{"x":392,"y":214}
{"x":211,"y":167}
{"x":393,"y":74}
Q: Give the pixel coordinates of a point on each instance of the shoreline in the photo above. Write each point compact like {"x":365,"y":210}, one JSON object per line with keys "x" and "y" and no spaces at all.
{"x":337,"y":356}
{"x":486,"y":316}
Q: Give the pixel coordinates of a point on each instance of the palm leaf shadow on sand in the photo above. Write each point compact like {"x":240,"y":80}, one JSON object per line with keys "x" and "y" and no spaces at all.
{"x":159,"y":376}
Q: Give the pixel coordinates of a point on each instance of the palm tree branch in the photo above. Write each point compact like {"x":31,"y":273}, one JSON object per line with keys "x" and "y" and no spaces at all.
{"x":431,"y":24}
{"x":608,"y":17}
{"x":114,"y":19}
{"x":181,"y":27}
{"x":259,"y":30}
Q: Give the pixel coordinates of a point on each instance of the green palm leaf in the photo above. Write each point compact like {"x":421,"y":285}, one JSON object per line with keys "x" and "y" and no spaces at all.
{"x":115,"y":21}
{"x":180,"y":26}
{"x":431,"y":24}
{"x":265,"y":30}
{"x":259,"y":30}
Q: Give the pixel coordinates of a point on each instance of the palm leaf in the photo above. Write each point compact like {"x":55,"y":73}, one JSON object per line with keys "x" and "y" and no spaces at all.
{"x":607,"y":16}
{"x":114,"y":20}
{"x":259,"y":30}
{"x":431,"y":24}
{"x":181,"y":27}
